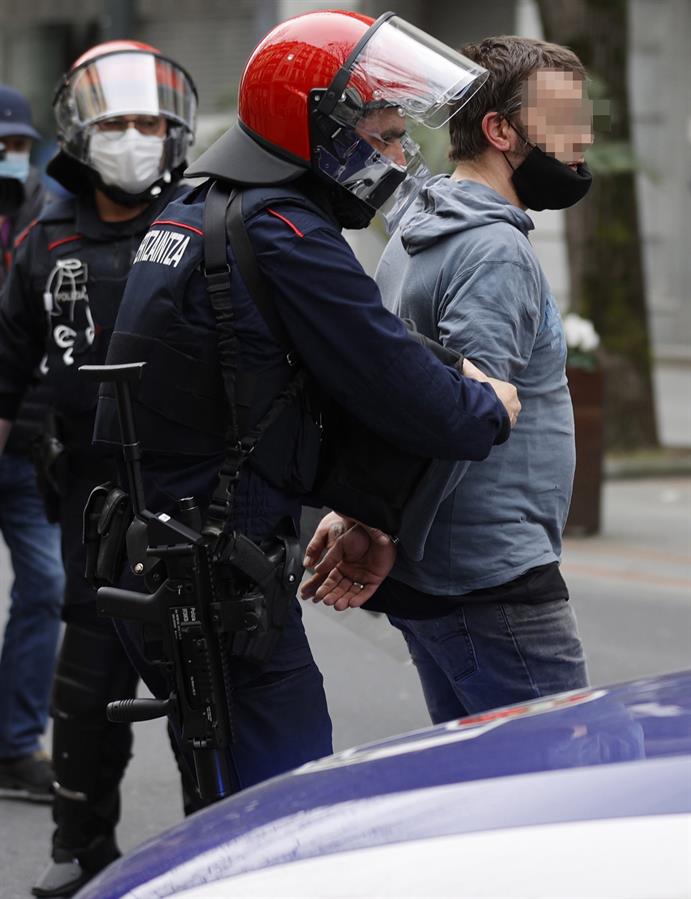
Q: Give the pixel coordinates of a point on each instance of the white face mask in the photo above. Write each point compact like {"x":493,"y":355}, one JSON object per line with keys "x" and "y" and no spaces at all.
{"x":14,"y":165}
{"x":132,"y":161}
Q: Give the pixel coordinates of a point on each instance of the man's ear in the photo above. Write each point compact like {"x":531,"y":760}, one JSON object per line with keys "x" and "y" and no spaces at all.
{"x":497,"y":131}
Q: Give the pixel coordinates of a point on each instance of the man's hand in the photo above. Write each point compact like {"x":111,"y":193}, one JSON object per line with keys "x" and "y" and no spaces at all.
{"x":470,"y":370}
{"x":507,"y":393}
{"x":329,"y":529}
{"x":356,"y":560}
{"x":508,"y":396}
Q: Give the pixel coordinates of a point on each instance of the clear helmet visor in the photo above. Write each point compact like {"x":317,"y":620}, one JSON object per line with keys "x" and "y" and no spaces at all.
{"x":400,"y":65}
{"x":125,"y":83}
{"x":393,"y":209}
{"x":402,"y":77}
{"x":387,"y":178}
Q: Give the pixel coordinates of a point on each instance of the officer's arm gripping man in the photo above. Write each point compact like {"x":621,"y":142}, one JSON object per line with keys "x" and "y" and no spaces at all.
{"x":22,"y":334}
{"x":361,"y":354}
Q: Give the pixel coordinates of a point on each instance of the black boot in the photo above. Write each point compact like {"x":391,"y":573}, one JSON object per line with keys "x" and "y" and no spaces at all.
{"x":70,"y":869}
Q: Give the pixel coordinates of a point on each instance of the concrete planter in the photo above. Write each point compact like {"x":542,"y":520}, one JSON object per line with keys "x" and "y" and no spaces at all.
{"x":587,"y":395}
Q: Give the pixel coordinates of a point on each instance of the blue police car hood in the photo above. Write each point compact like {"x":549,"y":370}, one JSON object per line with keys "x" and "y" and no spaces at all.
{"x":589,"y":754}
{"x":445,"y":207}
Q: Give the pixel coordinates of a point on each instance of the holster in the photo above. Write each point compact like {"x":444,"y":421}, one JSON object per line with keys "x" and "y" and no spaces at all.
{"x":107,"y":516}
{"x":259,"y":584}
{"x":51,"y":462}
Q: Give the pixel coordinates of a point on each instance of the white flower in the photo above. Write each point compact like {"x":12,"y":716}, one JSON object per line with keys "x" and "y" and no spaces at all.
{"x":580,"y":334}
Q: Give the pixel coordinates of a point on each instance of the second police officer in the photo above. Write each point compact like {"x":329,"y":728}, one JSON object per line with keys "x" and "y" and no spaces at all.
{"x":125,"y":118}
{"x":320,"y":144}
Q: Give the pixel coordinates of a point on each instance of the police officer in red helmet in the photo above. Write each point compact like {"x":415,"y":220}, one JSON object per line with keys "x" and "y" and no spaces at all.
{"x":321,"y":143}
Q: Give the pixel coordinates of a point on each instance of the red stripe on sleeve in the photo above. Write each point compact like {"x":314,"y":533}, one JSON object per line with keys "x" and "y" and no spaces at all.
{"x":22,"y":236}
{"x":287,"y":221}
{"x":178,"y":225}
{"x":59,"y":243}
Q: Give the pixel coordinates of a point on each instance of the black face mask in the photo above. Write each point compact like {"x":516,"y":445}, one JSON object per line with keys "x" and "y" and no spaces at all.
{"x":543,"y":182}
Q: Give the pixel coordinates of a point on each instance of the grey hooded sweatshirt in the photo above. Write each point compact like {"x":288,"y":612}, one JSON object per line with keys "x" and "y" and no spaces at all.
{"x":462,"y":267}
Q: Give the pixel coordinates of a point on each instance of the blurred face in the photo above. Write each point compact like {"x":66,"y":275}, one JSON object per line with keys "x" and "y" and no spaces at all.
{"x":384,"y":129}
{"x":16,"y":143}
{"x":556,"y":115}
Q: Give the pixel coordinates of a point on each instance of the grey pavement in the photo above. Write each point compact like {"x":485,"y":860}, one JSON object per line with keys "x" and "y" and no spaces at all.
{"x":630,"y":586}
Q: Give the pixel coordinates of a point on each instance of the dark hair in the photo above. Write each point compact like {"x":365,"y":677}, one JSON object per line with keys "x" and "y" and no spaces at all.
{"x":509,"y":61}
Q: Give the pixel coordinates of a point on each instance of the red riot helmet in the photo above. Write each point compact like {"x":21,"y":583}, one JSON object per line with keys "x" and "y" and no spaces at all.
{"x":332,"y":92}
{"x":119,"y":79}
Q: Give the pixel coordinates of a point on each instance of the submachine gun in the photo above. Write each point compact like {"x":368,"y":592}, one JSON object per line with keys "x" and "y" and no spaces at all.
{"x":212,"y":596}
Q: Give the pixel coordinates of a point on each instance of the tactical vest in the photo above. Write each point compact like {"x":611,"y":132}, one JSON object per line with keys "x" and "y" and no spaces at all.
{"x":182,"y":392}
{"x":81,"y":280}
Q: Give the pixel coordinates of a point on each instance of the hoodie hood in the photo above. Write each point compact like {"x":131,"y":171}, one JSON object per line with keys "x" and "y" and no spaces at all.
{"x":446,"y":207}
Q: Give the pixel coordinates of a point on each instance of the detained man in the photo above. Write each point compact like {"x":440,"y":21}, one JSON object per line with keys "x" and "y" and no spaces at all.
{"x":485,"y":611}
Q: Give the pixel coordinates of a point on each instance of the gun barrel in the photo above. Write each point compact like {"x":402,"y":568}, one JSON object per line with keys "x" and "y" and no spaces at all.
{"x":215,"y":772}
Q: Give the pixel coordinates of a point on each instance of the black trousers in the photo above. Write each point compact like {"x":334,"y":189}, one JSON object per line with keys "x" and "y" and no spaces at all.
{"x":90,"y":754}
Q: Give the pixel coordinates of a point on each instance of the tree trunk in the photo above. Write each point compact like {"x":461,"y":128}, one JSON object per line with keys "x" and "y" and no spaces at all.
{"x":603,"y":234}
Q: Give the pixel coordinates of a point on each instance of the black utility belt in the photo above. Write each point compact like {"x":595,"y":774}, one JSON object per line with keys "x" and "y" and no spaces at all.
{"x":252,"y":584}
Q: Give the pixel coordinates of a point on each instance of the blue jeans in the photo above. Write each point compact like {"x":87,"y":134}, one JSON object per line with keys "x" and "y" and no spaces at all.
{"x":33,"y":625}
{"x":485,"y":655}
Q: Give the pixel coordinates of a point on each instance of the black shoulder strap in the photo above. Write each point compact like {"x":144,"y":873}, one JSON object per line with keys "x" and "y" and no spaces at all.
{"x":223,"y":218}
{"x":223,"y":205}
{"x":218,"y":285}
{"x":215,"y":257}
{"x":253,"y":278}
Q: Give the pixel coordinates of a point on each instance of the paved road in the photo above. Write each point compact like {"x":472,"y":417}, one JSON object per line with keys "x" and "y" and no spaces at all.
{"x":631,"y":588}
